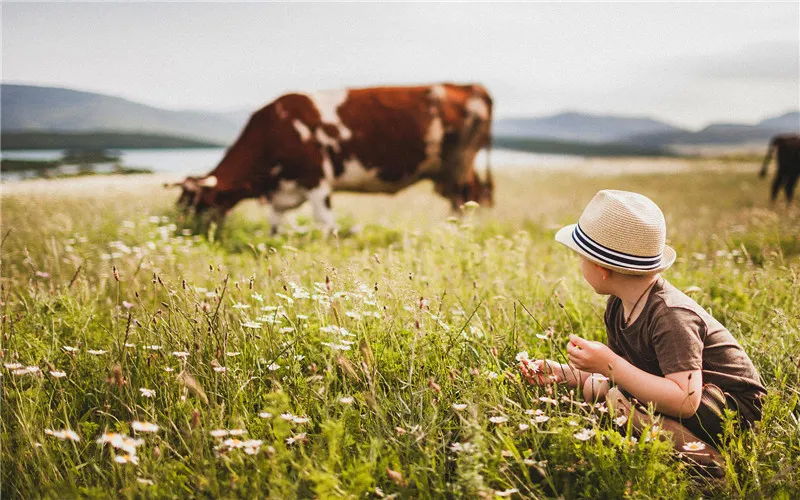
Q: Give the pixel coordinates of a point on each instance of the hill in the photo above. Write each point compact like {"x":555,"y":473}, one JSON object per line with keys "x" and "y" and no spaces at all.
{"x":581,"y":127}
{"x":27,"y":108}
{"x":96,"y":140}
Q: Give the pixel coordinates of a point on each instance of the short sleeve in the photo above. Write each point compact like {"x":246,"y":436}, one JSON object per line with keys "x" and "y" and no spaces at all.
{"x":678,"y":340}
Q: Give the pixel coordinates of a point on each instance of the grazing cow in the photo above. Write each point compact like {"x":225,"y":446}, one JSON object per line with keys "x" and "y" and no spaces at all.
{"x":381,"y":140}
{"x":787,"y":149}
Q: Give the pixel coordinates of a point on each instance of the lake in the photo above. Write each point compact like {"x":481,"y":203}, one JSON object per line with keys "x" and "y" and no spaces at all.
{"x":182,"y":162}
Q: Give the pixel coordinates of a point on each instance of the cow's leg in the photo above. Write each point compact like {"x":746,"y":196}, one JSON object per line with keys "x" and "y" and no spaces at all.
{"x":320,"y":198}
{"x":791,"y":182}
{"x":275,"y":220}
{"x":776,"y":186}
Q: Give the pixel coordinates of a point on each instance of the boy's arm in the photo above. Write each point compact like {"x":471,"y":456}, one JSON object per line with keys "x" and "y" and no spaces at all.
{"x":677,"y":394}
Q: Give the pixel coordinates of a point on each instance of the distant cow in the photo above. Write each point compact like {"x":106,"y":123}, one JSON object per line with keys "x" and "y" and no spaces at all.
{"x":787,"y":150}
{"x":304,"y":146}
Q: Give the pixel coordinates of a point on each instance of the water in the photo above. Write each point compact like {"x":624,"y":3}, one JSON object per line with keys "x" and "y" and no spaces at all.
{"x":183,"y":162}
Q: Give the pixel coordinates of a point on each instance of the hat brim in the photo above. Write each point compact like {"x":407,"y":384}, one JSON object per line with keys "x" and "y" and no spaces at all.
{"x":564,"y":236}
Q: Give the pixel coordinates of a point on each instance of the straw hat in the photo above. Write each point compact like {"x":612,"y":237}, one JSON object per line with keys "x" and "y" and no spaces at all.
{"x":621,"y":231}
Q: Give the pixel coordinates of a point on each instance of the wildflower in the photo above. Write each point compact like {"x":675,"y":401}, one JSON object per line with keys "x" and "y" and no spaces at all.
{"x":524,"y":427}
{"x":506,"y":454}
{"x":694,"y":446}
{"x":459,"y":406}
{"x":143,"y":481}
{"x":300,"y":420}
{"x":601,"y":407}
{"x":63,"y":434}
{"x":152,"y":347}
{"x":120,"y":442}
{"x":498,"y":420}
{"x":273,"y":367}
{"x":127,"y":459}
{"x":129,"y":345}
{"x":58,"y":373}
{"x":138,"y":426}
{"x":251,"y":324}
{"x":621,"y":420}
{"x":584,"y":434}
{"x":127,"y":305}
{"x":220,"y":369}
{"x":180,"y":354}
{"x":12,"y":366}
{"x":232,"y":354}
{"x":540,"y":419}
{"x":69,"y":348}
{"x":545,"y":399}
{"x":654,"y":431}
{"x":265,"y":414}
{"x":239,"y":305}
{"x":510,"y":491}
{"x":287,"y":416}
{"x":218,"y":433}
{"x":492,"y":375}
{"x":297,"y":438}
{"x":598,"y":377}
{"x":522,"y":355}
{"x":168,"y":369}
{"x":237,"y":432}
{"x":346,"y":400}
{"x":148,"y":393}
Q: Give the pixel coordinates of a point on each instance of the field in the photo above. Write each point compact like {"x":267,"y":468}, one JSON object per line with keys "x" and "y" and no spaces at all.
{"x":377,"y":364}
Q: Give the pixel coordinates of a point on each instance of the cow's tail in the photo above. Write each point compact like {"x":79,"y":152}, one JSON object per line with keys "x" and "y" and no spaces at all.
{"x":764,"y":166}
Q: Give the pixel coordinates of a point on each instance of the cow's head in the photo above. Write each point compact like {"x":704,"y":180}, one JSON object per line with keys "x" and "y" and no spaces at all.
{"x":199,"y":193}
{"x":481,"y":191}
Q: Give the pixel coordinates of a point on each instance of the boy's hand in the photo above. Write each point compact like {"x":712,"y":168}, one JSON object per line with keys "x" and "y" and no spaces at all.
{"x":589,"y":356}
{"x":539,"y":371}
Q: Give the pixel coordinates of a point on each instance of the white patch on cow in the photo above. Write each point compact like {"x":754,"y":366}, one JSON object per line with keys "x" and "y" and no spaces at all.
{"x":327,"y":167}
{"x":360,"y":179}
{"x":319,"y":198}
{"x":288,"y":195}
{"x":433,"y":146}
{"x":478,"y":107}
{"x":325,"y":140}
{"x":438,"y":92}
{"x":302,"y":129}
{"x":327,"y":103}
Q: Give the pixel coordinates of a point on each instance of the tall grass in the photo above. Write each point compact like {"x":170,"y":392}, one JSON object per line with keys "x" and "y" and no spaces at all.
{"x":381,"y":362}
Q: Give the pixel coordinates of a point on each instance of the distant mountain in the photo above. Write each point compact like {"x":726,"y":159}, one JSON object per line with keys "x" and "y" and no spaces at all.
{"x":96,"y":140}
{"x":28,"y":108}
{"x":581,"y":127}
{"x":722,"y":133}
{"x":789,"y":122}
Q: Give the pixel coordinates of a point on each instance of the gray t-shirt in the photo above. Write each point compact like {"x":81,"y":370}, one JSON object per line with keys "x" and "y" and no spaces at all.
{"x":673,"y":333}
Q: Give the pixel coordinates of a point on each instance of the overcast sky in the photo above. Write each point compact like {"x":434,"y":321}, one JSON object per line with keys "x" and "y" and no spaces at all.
{"x":686,"y":63}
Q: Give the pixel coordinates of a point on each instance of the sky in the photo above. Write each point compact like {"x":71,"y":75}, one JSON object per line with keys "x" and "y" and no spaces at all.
{"x":685,"y":63}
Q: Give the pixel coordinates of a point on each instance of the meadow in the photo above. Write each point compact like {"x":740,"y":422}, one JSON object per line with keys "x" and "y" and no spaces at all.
{"x":146,"y":359}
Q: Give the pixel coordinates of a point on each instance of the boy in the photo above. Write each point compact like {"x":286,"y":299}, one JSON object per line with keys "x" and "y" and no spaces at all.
{"x":663,"y":348}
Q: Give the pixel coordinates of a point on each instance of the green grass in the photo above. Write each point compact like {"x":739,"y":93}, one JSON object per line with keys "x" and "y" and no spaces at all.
{"x":434,"y":311}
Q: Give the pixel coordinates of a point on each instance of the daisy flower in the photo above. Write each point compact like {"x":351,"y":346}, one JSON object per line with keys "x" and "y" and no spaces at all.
{"x":148,"y":393}
{"x":139,"y":426}
{"x":459,"y":406}
{"x":694,"y":446}
{"x":584,"y":434}
{"x":498,"y":420}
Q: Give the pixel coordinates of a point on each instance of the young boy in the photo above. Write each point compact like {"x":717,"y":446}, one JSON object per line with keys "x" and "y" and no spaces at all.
{"x":663,"y":348}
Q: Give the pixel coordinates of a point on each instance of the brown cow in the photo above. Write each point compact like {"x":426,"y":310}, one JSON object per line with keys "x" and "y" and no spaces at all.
{"x":304,"y":146}
{"x":788,"y":159}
